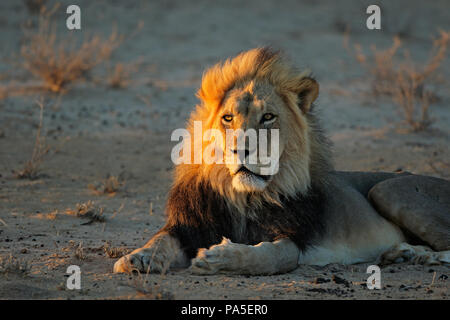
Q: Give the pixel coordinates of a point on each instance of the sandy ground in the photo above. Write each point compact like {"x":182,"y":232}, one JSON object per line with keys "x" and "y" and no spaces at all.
{"x":96,"y":131}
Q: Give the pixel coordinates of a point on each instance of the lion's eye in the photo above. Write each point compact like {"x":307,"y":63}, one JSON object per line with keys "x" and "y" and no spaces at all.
{"x":227,"y":118}
{"x":267,"y":117}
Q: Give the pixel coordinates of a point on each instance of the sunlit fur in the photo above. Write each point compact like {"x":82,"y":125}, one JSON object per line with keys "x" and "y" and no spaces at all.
{"x":305,"y":155}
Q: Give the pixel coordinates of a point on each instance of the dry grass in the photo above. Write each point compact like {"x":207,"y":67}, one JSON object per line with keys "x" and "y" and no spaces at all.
{"x":78,"y":253}
{"x":109,"y":186}
{"x":115,"y":252}
{"x":408,"y":81}
{"x":13,"y":265}
{"x":88,"y":210}
{"x":46,"y":216}
{"x":120,"y":75}
{"x":14,"y":89}
{"x":35,"y":6}
{"x":40,"y":149}
{"x":61,"y":61}
{"x":3,"y":92}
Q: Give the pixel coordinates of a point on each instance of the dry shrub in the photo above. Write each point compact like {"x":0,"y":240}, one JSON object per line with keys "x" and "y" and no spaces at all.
{"x":13,"y":265}
{"x":60,"y":61}
{"x":407,"y":81}
{"x":31,"y":169}
{"x":88,"y":210}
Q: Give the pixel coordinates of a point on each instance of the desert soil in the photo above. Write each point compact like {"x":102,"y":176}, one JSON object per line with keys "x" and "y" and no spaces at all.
{"x":95,"y":131}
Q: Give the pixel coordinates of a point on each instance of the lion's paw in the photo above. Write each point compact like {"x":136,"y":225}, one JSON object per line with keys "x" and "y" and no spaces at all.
{"x":405,"y":252}
{"x":226,"y":256}
{"x":146,"y":260}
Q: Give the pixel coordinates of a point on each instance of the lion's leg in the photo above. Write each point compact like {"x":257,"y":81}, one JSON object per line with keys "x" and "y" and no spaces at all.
{"x":405,"y":252}
{"x":160,"y":253}
{"x":263,"y":259}
{"x":419,"y":205}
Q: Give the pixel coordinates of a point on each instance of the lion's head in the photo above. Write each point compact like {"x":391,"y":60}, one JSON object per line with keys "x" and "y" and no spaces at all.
{"x":257,"y":89}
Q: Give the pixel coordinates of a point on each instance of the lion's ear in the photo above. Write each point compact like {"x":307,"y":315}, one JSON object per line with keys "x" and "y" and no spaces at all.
{"x":307,"y":91}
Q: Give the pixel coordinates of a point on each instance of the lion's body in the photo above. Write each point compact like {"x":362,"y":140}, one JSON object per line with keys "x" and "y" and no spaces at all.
{"x":305,"y":213}
{"x":355,"y":232}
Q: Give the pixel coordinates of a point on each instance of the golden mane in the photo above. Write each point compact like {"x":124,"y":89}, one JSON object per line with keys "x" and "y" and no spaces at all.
{"x":257,"y":64}
{"x":262,"y":64}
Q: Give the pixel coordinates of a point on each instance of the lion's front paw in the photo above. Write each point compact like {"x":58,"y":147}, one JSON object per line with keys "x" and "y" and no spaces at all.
{"x":145,"y":260}
{"x":225,"y":257}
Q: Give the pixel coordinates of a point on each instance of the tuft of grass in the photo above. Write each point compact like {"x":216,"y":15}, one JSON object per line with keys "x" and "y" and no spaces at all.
{"x":61,"y":61}
{"x":115,"y":252}
{"x":109,"y":186}
{"x":406,"y":82}
{"x":79,"y":252}
{"x":88,"y":210}
{"x":32,"y":166}
{"x":13,"y":265}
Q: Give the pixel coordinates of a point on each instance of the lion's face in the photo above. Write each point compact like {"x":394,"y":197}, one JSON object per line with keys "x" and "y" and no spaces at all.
{"x":252,"y":109}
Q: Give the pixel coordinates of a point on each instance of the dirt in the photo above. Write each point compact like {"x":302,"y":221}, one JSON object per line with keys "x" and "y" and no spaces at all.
{"x":95,"y":132}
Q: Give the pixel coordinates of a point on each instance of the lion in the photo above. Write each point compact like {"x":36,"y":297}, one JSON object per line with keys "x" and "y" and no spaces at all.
{"x":229,"y":218}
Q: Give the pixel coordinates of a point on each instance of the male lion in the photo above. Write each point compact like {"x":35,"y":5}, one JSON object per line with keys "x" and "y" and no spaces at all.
{"x":306,"y":213}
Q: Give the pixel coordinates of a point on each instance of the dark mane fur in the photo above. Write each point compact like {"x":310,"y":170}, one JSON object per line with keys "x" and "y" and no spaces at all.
{"x":199,"y":217}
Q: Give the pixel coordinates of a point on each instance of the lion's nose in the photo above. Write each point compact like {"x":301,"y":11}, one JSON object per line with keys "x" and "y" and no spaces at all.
{"x":242,"y":153}
{"x":246,"y":152}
